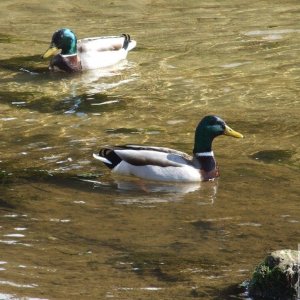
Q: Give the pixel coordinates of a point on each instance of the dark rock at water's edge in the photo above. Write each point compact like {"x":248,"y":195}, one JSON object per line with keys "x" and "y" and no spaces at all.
{"x":277,"y":277}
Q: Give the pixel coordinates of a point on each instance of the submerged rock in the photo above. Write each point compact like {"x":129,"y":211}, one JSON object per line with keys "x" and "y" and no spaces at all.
{"x":277,"y":277}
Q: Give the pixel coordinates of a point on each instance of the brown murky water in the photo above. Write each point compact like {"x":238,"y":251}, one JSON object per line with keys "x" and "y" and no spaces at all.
{"x":68,"y":229}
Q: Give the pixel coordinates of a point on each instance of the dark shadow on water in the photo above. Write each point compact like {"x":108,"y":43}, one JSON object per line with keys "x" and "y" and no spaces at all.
{"x":273,"y":156}
{"x":83,"y":182}
{"x":5,"y":38}
{"x":33,"y":64}
{"x":150,"y":264}
{"x":84,"y":103}
{"x":33,"y":72}
{"x":73,"y":181}
{"x":203,"y":225}
{"x":165,"y":266}
{"x":6,"y":204}
{"x":234,"y":291}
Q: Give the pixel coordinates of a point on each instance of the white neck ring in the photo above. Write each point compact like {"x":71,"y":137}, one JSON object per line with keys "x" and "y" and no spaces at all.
{"x":69,"y":55}
{"x":201,"y":154}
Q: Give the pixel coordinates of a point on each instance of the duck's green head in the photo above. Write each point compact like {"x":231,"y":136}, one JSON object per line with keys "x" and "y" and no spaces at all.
{"x":64,"y":40}
{"x":209,"y":128}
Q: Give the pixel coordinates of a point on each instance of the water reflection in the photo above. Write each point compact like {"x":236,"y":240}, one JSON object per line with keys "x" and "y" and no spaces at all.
{"x":92,"y":76}
{"x":157,"y":187}
{"x":14,"y":297}
{"x":10,"y":283}
{"x":205,"y":193}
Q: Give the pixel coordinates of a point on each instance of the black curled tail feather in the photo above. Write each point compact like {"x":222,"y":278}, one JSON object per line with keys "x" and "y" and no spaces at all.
{"x":110,"y":155}
{"x":127,"y":40}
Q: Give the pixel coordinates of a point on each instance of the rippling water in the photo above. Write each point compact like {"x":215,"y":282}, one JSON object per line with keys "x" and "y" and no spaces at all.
{"x":71,"y":230}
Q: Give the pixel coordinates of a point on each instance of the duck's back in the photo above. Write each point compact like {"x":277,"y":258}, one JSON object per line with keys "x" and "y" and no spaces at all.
{"x":101,"y":52}
{"x":107,"y":43}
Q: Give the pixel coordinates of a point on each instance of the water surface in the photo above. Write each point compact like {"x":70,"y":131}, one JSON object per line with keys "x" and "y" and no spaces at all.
{"x":71,"y":230}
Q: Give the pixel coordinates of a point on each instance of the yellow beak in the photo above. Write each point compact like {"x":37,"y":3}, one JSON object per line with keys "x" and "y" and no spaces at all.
{"x":51,"y":51}
{"x":231,"y":132}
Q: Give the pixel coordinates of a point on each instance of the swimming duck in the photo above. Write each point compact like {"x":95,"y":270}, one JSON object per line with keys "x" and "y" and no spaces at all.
{"x":88,"y":53}
{"x":164,"y":164}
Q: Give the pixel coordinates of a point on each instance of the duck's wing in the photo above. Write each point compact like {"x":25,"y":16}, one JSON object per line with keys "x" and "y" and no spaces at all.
{"x":106,"y":43}
{"x":142,"y":155}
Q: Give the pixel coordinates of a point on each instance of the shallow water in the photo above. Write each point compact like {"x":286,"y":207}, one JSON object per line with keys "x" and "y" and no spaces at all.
{"x":71,"y":230}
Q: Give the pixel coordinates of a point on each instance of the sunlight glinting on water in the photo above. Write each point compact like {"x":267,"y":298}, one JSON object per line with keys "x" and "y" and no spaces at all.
{"x":70,"y":227}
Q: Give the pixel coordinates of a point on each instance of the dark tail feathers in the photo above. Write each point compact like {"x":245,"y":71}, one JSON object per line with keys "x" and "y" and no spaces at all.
{"x":111,"y":156}
{"x":126,"y":40}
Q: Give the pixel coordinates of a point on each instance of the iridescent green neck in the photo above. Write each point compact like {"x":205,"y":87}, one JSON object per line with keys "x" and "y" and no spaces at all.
{"x":203,"y":140}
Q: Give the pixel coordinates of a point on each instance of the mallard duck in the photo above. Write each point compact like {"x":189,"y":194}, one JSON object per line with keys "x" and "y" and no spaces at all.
{"x":88,"y":53}
{"x":164,"y":164}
